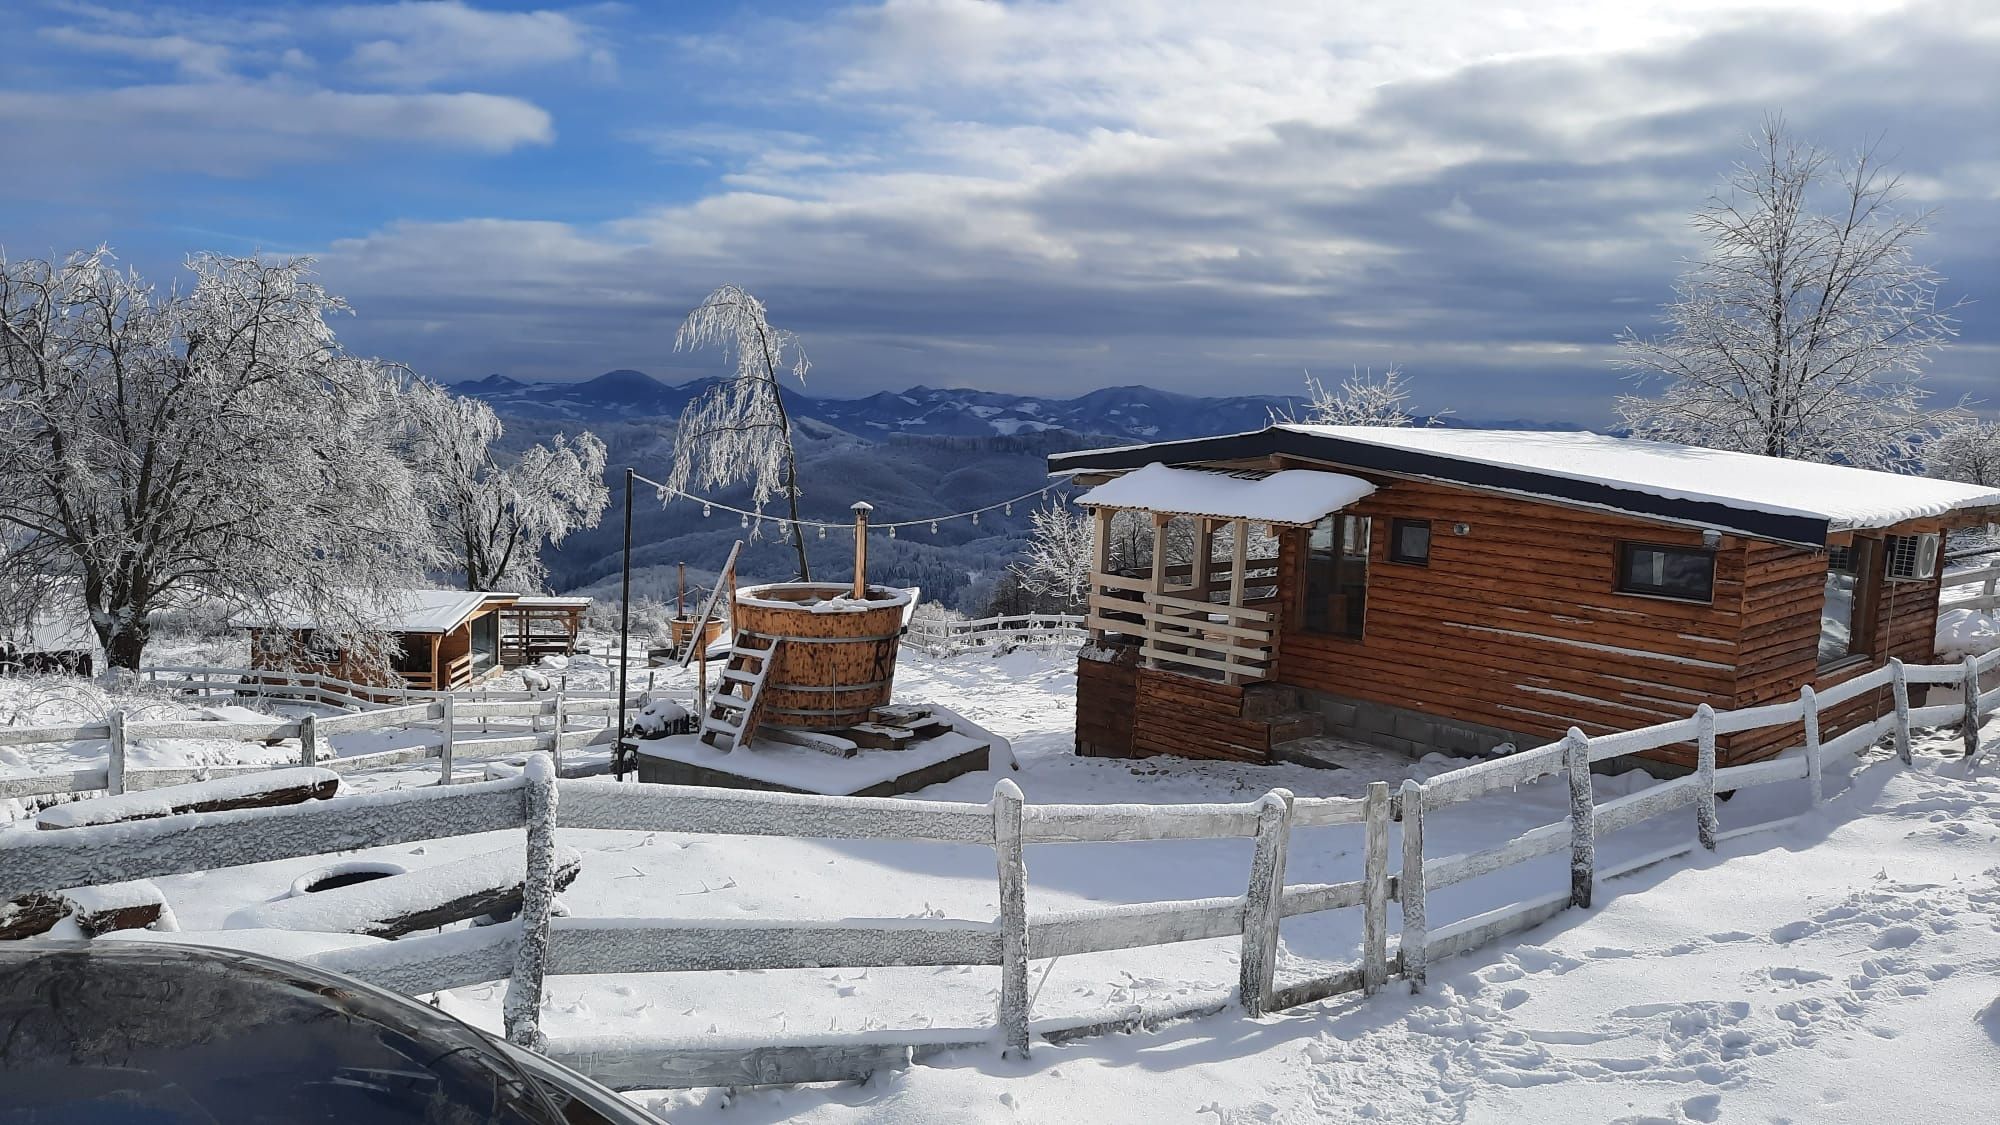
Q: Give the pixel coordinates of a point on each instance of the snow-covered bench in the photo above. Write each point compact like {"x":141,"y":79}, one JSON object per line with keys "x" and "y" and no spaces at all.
{"x":244,"y":791}
{"x":403,"y":904}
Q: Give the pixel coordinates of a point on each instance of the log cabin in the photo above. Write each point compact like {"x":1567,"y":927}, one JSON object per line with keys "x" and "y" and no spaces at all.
{"x":1460,"y":591}
{"x":444,"y":640}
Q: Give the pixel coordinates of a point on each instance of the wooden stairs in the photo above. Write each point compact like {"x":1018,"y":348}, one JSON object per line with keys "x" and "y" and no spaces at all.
{"x":732,"y":713}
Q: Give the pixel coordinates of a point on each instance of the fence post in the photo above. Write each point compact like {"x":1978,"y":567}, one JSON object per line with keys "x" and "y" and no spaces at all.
{"x":523,"y":1005}
{"x":1582,"y":811}
{"x":1899,"y":686}
{"x":1411,"y":889}
{"x":1815,"y":766}
{"x":309,"y":741}
{"x":114,"y":762}
{"x":446,"y":747}
{"x":555,"y":743}
{"x":1970,"y":683}
{"x":1375,"y":890}
{"x":1263,"y":903}
{"x":1704,"y":808}
{"x":1013,"y":868}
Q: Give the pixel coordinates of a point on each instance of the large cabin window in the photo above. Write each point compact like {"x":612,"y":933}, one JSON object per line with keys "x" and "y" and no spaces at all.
{"x":1682,"y":573}
{"x":1846,"y":617}
{"x":1337,"y":576}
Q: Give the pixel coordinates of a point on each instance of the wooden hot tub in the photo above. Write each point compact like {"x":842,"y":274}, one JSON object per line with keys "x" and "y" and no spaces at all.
{"x":836,"y":658}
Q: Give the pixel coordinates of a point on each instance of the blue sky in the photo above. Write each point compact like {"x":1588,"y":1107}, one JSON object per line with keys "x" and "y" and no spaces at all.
{"x":1045,"y":197}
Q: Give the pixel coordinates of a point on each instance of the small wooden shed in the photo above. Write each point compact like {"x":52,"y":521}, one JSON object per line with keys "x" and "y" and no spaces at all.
{"x":446,"y":639}
{"x":1432,"y":589}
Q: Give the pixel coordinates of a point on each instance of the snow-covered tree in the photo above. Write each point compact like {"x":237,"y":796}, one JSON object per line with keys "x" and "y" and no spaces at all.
{"x":738,"y":430}
{"x":1059,"y":556}
{"x":492,"y":518}
{"x":1804,"y":329}
{"x":1967,"y":450}
{"x":1362,"y":400}
{"x":207,"y":442}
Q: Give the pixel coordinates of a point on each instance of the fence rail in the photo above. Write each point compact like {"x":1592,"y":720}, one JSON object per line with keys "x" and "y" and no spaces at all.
{"x":1988,"y":596}
{"x":528,"y":950}
{"x":446,"y":718}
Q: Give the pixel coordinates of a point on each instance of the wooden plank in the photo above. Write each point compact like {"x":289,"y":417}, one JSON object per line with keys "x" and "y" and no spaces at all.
{"x":1013,"y":937}
{"x":1263,"y":903}
{"x":1375,"y":890}
{"x":1097,"y":929}
{"x":1655,"y":800}
{"x":1412,"y":890}
{"x":30,"y":736}
{"x":686,"y":808}
{"x":625,"y":1062}
{"x":1482,"y":929}
{"x":1313,"y":898}
{"x":674,"y":945}
{"x":1534,"y":843}
{"x":1070,"y":824}
{"x":425,"y":963}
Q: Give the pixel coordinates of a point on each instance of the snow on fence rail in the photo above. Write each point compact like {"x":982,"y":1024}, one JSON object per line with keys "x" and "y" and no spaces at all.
{"x":938,"y":636}
{"x":526,"y":951}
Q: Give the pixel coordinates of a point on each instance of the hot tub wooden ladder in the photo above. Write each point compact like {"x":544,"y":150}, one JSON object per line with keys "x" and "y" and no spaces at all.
{"x":732,"y":708}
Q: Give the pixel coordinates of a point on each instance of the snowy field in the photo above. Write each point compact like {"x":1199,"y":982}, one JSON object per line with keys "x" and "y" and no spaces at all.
{"x":1808,"y":978}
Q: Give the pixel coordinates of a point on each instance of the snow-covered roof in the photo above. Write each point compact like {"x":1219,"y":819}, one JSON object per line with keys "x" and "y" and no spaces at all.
{"x":549,"y":601}
{"x":1764,"y":497}
{"x":391,"y":611}
{"x":1293,"y":496}
{"x":1845,"y":497}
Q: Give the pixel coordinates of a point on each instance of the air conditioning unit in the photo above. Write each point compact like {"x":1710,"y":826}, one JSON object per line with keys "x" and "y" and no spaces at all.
{"x":1912,"y":558}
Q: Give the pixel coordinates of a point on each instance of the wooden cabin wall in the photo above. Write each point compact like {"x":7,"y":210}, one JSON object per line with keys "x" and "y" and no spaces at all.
{"x":1517,"y":624}
{"x":1784,"y":592}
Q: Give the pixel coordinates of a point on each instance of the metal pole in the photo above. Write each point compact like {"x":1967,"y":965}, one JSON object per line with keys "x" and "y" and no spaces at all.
{"x":624,"y":636}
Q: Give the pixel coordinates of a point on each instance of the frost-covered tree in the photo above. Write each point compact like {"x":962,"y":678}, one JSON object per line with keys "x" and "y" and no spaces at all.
{"x":211,"y":442}
{"x":1804,"y":329}
{"x":1967,"y":450}
{"x":1059,"y":555}
{"x":492,"y":518}
{"x":738,"y":430}
{"x":1361,"y":400}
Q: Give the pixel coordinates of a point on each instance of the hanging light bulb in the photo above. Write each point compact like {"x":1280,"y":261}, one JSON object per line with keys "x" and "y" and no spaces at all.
{"x":822,"y":531}
{"x":975,"y":519}
{"x":705,"y":512}
{"x":746,"y":521}
{"x":933,"y":527}
{"x":892,"y":531}
{"x":1010,"y":507}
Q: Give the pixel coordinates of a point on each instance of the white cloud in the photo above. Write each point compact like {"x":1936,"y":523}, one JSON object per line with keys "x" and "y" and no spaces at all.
{"x":193,"y":59}
{"x":420,"y":42}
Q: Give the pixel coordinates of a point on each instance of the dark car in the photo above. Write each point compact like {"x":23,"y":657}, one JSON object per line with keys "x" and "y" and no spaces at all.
{"x":109,"y":1033}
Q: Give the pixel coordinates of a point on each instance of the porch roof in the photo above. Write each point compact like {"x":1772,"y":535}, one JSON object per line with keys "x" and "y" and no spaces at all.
{"x":392,"y":611}
{"x":1292,"y":496}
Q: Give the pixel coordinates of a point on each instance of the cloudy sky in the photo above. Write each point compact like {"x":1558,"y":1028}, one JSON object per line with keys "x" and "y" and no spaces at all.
{"x":1038,"y":196}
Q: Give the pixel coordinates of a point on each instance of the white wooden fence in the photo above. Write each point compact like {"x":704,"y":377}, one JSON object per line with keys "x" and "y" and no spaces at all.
{"x":1988,"y":597}
{"x":447,"y":718}
{"x":537,"y":945}
{"x":939,"y":636}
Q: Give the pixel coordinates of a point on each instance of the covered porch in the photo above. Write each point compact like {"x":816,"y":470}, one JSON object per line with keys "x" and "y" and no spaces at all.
{"x":1189,"y":576}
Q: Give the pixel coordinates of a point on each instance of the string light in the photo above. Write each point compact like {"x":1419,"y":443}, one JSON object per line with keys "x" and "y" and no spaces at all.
{"x":975,"y":519}
{"x":708,"y":506}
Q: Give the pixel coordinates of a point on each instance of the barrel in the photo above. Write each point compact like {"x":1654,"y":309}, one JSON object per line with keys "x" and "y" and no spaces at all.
{"x":681,"y":629}
{"x":836,"y":659}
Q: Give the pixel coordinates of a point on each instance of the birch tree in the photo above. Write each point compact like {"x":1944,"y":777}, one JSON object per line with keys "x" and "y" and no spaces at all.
{"x":1804,"y":329}
{"x":738,"y":430}
{"x":1060,"y":554}
{"x":492,"y":515}
{"x":206,"y":443}
{"x":1362,"y":400}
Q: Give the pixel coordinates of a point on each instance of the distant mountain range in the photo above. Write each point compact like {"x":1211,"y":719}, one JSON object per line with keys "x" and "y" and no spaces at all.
{"x":1135,"y":413}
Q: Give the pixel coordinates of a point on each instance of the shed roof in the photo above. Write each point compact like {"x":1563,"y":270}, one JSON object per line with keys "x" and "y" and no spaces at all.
{"x":392,"y":611}
{"x":1764,"y":497}
{"x":1293,"y":496}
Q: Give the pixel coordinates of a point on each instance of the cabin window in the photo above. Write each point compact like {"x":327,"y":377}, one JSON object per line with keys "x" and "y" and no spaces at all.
{"x":1846,"y":617}
{"x":1682,"y":573}
{"x":1337,"y":576}
{"x":486,"y":639}
{"x":1410,"y":542}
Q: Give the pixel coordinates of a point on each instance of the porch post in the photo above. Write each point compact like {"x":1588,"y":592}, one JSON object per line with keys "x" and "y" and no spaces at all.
{"x":1204,"y":554}
{"x":1239,"y":561}
{"x":1147,"y":630}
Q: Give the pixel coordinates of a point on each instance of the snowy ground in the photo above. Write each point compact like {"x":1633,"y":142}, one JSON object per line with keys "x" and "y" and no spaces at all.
{"x":1808,"y":978}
